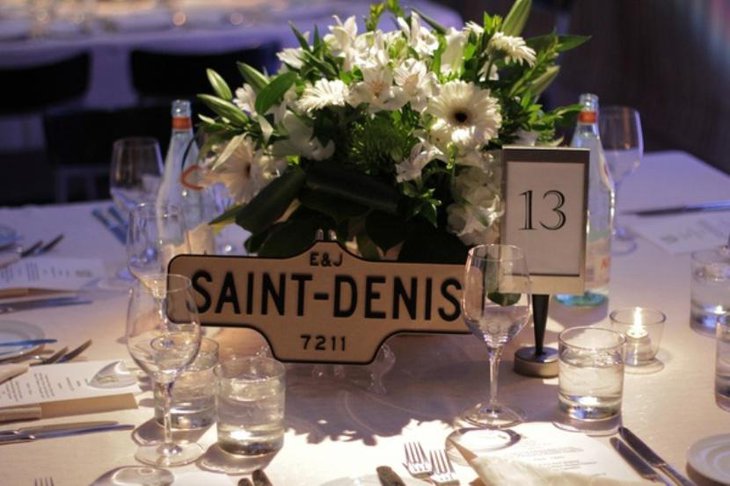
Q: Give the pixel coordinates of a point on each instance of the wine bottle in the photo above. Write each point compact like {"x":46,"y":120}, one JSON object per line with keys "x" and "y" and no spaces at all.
{"x":600,"y":209}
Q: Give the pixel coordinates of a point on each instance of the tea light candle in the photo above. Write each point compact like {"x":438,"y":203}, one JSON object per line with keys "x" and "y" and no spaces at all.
{"x":643,"y":329}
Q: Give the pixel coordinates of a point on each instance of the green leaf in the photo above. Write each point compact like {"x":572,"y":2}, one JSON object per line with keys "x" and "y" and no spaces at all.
{"x":226,"y":109}
{"x":426,"y":244}
{"x":517,"y":17}
{"x":269,"y":204}
{"x":541,"y":83}
{"x":219,"y":85}
{"x":334,"y":179}
{"x":385,"y":230}
{"x":437,"y":27}
{"x":568,"y":42}
{"x":300,"y":37}
{"x":274,"y":92}
{"x":289,"y":238}
{"x":228,"y":216}
{"x":335,"y":207}
{"x":252,"y":76}
{"x":503,"y":299}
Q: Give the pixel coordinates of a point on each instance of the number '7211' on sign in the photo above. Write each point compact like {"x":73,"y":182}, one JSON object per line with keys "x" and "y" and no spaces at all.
{"x":545,"y":191}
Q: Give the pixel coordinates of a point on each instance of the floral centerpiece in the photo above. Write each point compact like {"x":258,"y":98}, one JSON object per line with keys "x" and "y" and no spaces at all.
{"x":386,"y":139}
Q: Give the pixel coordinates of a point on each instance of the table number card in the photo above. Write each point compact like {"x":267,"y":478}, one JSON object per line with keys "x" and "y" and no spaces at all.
{"x":545,"y":192}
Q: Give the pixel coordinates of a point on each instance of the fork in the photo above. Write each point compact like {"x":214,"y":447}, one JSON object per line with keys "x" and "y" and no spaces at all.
{"x":37,"y":248}
{"x":416,"y":461}
{"x":51,"y":359}
{"x":48,"y":481}
{"x":443,"y":471}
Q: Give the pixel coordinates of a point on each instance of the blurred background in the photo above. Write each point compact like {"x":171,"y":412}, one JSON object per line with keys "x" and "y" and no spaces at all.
{"x":63,"y":100}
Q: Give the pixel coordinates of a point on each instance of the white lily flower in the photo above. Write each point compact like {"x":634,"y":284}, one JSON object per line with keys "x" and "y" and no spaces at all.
{"x":417,"y":82}
{"x":376,"y":90}
{"x":419,"y":38}
{"x":301,"y":140}
{"x":411,"y":168}
{"x":452,"y":58}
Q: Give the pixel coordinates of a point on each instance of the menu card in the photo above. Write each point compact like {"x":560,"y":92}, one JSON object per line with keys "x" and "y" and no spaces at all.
{"x":43,"y":277}
{"x":684,"y":233}
{"x":64,"y":389}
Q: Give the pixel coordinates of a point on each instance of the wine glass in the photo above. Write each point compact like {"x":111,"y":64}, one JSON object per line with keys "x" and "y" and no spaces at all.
{"x":135,"y":173}
{"x":163,"y":337}
{"x":496,"y":306}
{"x":156,"y":234}
{"x":623,"y":146}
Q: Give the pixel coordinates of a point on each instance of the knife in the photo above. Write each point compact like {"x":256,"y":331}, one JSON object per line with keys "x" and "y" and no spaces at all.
{"x":388,"y":477}
{"x":28,"y":342}
{"x":639,"y":465}
{"x":652,"y":458}
{"x":116,"y":229}
{"x":26,"y":434}
{"x":686,"y":208}
{"x":36,"y":304}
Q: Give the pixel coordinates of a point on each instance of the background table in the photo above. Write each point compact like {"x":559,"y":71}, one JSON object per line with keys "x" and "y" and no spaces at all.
{"x":335,"y":430}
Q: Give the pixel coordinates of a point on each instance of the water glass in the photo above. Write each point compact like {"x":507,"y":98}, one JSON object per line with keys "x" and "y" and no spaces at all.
{"x":722,"y":364}
{"x":192,"y":404}
{"x":250,"y":406}
{"x":642,"y":327}
{"x":710,"y":289}
{"x":591,"y":373}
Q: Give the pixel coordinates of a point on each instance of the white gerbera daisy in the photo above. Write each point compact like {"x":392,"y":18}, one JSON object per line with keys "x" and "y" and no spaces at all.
{"x":324,"y":93}
{"x":466,"y":115}
{"x":514,"y":48}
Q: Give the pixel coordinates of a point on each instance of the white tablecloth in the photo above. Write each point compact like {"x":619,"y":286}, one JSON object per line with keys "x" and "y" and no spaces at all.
{"x":335,"y":430}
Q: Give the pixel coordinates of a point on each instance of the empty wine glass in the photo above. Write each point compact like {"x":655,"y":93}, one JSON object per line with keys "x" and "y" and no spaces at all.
{"x":156,"y":234}
{"x":163,"y":337}
{"x":496,"y":306}
{"x":623,"y":145}
{"x":135,"y":173}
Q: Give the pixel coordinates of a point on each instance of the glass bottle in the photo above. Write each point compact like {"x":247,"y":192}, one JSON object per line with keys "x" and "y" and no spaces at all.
{"x":600,"y":209}
{"x":181,"y":181}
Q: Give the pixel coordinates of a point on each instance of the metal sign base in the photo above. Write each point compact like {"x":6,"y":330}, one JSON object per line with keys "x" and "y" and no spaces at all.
{"x":529,"y":363}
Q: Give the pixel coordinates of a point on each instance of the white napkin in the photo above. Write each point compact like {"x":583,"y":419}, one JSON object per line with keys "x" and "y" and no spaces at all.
{"x":495,"y":471}
{"x":12,"y":370}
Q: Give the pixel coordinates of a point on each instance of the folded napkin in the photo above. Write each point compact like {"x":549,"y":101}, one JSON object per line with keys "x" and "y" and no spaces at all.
{"x":12,"y":370}
{"x":519,"y":463}
{"x":495,"y":471}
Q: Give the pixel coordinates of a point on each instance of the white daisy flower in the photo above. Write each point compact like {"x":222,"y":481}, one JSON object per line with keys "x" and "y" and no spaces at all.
{"x":324,"y":93}
{"x":514,"y":48}
{"x":376,"y":90}
{"x":411,"y":168}
{"x":466,"y":115}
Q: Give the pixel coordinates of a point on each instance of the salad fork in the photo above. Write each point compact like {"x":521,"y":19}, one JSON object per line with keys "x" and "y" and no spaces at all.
{"x":416,"y":461}
{"x":443,"y":471}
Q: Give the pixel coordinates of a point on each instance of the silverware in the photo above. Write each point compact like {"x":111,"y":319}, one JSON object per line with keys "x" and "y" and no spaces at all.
{"x":28,"y":342}
{"x":37,"y":304}
{"x":27,"y":434}
{"x":652,"y":458}
{"x":686,"y":208}
{"x":260,"y":478}
{"x":443,"y":472}
{"x":75,"y":352}
{"x":37,"y":248}
{"x":416,"y":460}
{"x":117,"y":230}
{"x":51,"y":359}
{"x":47,"y":481}
{"x":388,"y":477}
{"x":640,"y":466}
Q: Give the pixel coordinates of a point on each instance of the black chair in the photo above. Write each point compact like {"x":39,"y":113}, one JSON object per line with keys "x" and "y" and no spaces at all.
{"x":26,"y":94}
{"x":39,"y":88}
{"x":80,"y":143}
{"x":160,"y":77}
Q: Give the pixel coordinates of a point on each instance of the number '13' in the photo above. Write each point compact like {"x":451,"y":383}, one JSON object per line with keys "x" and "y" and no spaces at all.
{"x":559,"y":198}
